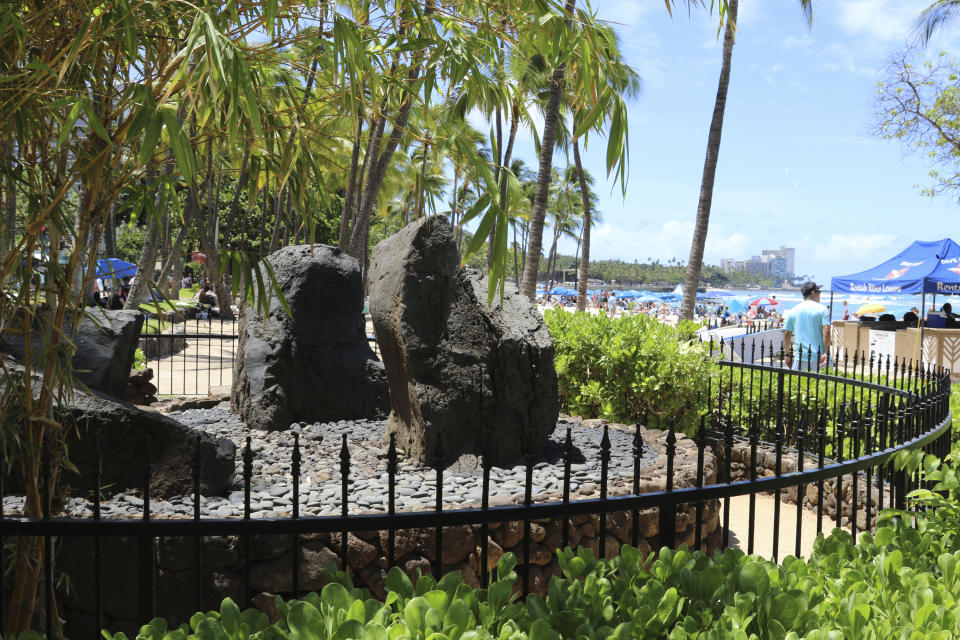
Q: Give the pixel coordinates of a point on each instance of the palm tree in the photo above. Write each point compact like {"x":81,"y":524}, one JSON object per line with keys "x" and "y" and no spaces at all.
{"x":565,"y":215}
{"x":938,"y":15}
{"x":695,"y":263}
{"x":551,"y":123}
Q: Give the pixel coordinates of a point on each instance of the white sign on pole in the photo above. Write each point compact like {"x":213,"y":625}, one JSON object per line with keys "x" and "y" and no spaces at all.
{"x":882,"y":343}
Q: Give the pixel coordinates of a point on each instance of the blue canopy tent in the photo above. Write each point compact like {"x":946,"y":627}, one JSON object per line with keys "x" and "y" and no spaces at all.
{"x":923,"y":267}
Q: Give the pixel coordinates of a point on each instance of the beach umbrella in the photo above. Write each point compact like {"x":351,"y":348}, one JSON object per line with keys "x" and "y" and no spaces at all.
{"x":871,"y":307}
{"x":738,"y":305}
{"x":115,"y":268}
{"x":764,"y":301}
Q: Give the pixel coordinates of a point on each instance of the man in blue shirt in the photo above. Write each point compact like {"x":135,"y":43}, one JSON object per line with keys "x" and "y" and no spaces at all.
{"x":807,"y":330}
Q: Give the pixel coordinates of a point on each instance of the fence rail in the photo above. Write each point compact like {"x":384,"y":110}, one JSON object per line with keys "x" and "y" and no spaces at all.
{"x":836,"y":430}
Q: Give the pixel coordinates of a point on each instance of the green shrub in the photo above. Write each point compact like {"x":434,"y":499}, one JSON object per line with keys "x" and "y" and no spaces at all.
{"x":629,"y":368}
{"x":139,"y":359}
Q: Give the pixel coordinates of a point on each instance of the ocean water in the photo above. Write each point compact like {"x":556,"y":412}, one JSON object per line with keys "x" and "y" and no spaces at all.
{"x":897,"y":305}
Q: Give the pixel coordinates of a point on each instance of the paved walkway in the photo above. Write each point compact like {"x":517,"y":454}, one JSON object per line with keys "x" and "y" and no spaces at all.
{"x":763,"y":533}
{"x":205,"y":366}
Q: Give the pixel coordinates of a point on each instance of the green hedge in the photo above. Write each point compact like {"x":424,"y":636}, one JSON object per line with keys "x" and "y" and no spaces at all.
{"x":627,"y":368}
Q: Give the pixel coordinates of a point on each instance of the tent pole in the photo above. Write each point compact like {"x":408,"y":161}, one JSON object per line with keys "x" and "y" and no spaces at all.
{"x":923,"y":304}
{"x":934,"y":301}
{"x":831,"y":307}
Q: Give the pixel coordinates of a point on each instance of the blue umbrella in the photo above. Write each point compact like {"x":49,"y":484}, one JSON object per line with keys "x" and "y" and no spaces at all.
{"x":646,"y":296}
{"x":739,"y":304}
{"x":115,"y":268}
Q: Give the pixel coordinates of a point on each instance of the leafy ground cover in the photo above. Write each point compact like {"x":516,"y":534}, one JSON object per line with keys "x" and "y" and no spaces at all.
{"x":903,"y":581}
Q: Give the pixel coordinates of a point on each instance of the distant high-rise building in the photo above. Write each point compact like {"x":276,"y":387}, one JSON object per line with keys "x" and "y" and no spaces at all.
{"x":772,"y":263}
{"x":787,"y":253}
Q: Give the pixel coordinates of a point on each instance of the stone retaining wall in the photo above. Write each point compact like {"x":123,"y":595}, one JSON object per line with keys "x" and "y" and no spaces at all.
{"x":414,"y":550}
{"x":766,"y":467}
{"x":159,"y":347}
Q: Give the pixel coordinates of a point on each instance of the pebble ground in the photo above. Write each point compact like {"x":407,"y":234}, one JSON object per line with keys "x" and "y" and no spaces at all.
{"x":320,"y":480}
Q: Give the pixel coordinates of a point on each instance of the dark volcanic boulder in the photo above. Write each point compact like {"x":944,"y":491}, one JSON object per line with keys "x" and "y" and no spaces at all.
{"x":123,"y":432}
{"x":105,"y":344}
{"x":314,"y":364}
{"x":458,"y":368}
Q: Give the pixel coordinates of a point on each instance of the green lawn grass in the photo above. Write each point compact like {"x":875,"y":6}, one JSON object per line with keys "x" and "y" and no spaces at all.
{"x":164,"y":305}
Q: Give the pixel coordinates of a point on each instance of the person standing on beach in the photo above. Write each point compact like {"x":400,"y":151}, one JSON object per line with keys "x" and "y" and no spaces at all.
{"x":612,"y":302}
{"x":807,"y":330}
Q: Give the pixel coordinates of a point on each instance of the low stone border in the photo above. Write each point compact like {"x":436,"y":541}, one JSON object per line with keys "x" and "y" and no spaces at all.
{"x":160,"y":347}
{"x":766,"y":467}
{"x":414,"y":550}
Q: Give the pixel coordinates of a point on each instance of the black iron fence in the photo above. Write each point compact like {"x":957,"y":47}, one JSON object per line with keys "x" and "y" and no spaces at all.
{"x":827,"y":437}
{"x":750,"y":326}
{"x":190,"y":356}
{"x":195,"y":356}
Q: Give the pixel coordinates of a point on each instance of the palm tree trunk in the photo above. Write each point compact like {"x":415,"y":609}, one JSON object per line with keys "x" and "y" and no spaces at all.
{"x":148,"y":255}
{"x":346,"y":216}
{"x":516,"y":250}
{"x":695,"y":264}
{"x":378,"y":170}
{"x":587,"y":222}
{"x":110,"y":231}
{"x":191,"y":207}
{"x":9,"y":204}
{"x":551,"y":120}
{"x":552,"y":261}
{"x":277,"y":220}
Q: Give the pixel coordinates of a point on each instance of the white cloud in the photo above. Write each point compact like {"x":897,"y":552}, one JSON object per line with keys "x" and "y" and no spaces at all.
{"x":883,"y":20}
{"x":662,"y":241}
{"x":842,"y":58}
{"x":793,"y":41}
{"x":865,"y":248}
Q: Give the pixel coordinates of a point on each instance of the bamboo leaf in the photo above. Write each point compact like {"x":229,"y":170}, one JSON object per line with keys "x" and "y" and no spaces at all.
{"x":210,"y":34}
{"x":253,"y":112}
{"x":593,"y":116}
{"x":149,"y":145}
{"x":182,"y":150}
{"x":476,"y":208}
{"x":67,"y":125}
{"x":94,"y":121}
{"x":483,"y":230}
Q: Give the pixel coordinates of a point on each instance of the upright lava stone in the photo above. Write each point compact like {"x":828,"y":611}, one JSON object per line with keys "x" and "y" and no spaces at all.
{"x":458,"y":368}
{"x":313,"y":365}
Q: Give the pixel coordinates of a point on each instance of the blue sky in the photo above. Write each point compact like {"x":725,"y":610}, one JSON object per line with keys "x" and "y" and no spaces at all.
{"x":798,"y":163}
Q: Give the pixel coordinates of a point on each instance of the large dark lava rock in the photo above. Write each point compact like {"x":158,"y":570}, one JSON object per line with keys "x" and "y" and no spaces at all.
{"x":124,"y":430}
{"x":479,"y":377}
{"x":105,"y":343}
{"x":313,"y":365}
